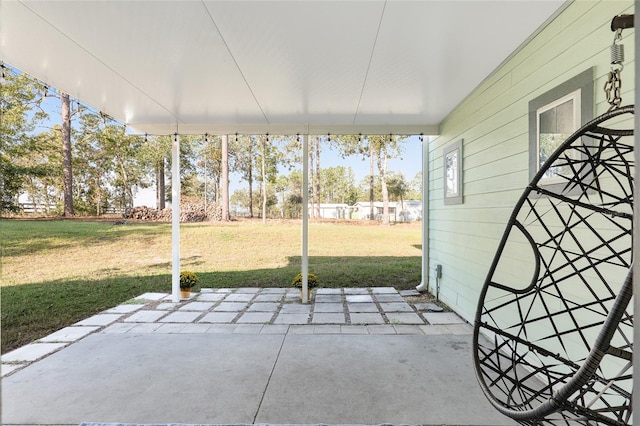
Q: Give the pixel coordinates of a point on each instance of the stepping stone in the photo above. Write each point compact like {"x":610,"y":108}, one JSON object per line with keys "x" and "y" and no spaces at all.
{"x":100,"y":319}
{"x":328,"y":298}
{"x":274,"y":290}
{"x":166,"y":306}
{"x":327,"y":329}
{"x":269,"y":297}
{"x":197,"y":306}
{"x":69,"y":334}
{"x":328,"y":307}
{"x":230,"y":307}
{"x":238,"y":297}
{"x":219,"y":317}
{"x":145,"y":316}
{"x":409,"y":293}
{"x":152,"y":296}
{"x":396,"y":307}
{"x":404,"y":318}
{"x":384,"y":290}
{"x":195,"y":328}
{"x":119,"y":328}
{"x":328,"y":318}
{"x":443,"y":318}
{"x":274,"y":329}
{"x":263,"y":307}
{"x":124,"y":309}
{"x":32,"y":352}
{"x":169,"y":328}
{"x":424,"y":307}
{"x":210,"y":297}
{"x":144,"y":328}
{"x":381,"y":329}
{"x":248,"y":290}
{"x":181,"y":317}
{"x":356,"y":291}
{"x":359,"y":298}
{"x":255,"y":317}
{"x":434,"y":308}
{"x":385,"y":298}
{"x":8,"y":368}
{"x":366,"y":318}
{"x":362,"y":307}
{"x":295,"y":308}
{"x":329,"y":291}
{"x":248,"y":329}
{"x":291,"y":319}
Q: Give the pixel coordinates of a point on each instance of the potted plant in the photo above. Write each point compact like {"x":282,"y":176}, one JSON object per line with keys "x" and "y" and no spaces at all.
{"x":312,"y":282}
{"x":188,"y":280}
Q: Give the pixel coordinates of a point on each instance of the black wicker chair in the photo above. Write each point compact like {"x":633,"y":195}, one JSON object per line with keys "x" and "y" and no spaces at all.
{"x":553,"y":336}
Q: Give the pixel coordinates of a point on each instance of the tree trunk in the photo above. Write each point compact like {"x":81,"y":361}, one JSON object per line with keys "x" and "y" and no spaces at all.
{"x":382,"y":167}
{"x":160,"y":185}
{"x":225,"y":178}
{"x":264,"y":181}
{"x":317,"y":180}
{"x":371,"y":212}
{"x":66,"y":156}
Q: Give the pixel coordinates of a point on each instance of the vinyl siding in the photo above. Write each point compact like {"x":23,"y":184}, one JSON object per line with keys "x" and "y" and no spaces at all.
{"x":493,"y":122}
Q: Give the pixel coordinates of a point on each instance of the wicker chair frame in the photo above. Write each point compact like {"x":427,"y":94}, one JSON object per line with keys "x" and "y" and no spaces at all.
{"x":556,"y":347}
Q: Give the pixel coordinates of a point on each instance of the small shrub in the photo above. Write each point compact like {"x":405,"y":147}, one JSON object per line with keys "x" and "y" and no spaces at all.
{"x":188,"y":279}
{"x":312,"y":281}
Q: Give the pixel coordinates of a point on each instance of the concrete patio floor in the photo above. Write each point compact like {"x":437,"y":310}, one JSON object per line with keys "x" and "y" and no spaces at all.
{"x":128,"y":365}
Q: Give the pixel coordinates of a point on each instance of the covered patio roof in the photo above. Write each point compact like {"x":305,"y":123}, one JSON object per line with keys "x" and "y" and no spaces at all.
{"x":278,"y":67}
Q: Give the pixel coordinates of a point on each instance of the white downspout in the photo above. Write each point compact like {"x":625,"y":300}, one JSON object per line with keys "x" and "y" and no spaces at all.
{"x":175,"y":219}
{"x":305,"y":218}
{"x":424,"y":285}
{"x":635,"y":401}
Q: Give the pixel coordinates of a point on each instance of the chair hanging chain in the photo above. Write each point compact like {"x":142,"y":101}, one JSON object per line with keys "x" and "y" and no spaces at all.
{"x":613,"y":85}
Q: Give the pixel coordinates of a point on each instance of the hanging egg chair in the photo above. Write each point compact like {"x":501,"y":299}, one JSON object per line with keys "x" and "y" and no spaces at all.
{"x":553,"y":334}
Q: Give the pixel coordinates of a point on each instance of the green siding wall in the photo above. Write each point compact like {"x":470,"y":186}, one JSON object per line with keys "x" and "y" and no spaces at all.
{"x":493,"y":122}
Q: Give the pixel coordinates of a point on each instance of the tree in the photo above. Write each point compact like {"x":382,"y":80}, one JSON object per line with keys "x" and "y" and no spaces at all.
{"x":339,"y":185}
{"x":415,"y":187}
{"x":20,"y":98}
{"x":398,"y":188}
{"x":65,"y":113}
{"x":241,"y":159}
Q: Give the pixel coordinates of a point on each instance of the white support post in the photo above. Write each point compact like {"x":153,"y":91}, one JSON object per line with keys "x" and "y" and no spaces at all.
{"x":305,"y":218}
{"x":424,"y":285}
{"x":175,"y":219}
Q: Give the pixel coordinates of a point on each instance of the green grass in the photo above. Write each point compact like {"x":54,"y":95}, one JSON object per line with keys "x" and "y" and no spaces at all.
{"x":57,"y":272}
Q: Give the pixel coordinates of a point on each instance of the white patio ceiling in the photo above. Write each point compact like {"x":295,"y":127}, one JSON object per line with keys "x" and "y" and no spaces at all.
{"x":255,"y":67}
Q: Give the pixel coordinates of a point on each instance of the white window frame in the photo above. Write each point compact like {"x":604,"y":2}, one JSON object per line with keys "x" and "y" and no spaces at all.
{"x":574,"y":96}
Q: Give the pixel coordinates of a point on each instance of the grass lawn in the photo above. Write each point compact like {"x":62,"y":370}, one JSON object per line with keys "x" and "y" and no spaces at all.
{"x":57,"y":272}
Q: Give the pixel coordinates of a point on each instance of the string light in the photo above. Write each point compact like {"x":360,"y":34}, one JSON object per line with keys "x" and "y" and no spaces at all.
{"x":236,"y":136}
{"x":146,"y":138}
{"x":421,"y":137}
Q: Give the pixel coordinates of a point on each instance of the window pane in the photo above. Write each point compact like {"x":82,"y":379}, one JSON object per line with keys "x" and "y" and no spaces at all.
{"x":452,"y":173}
{"x":556,"y":125}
